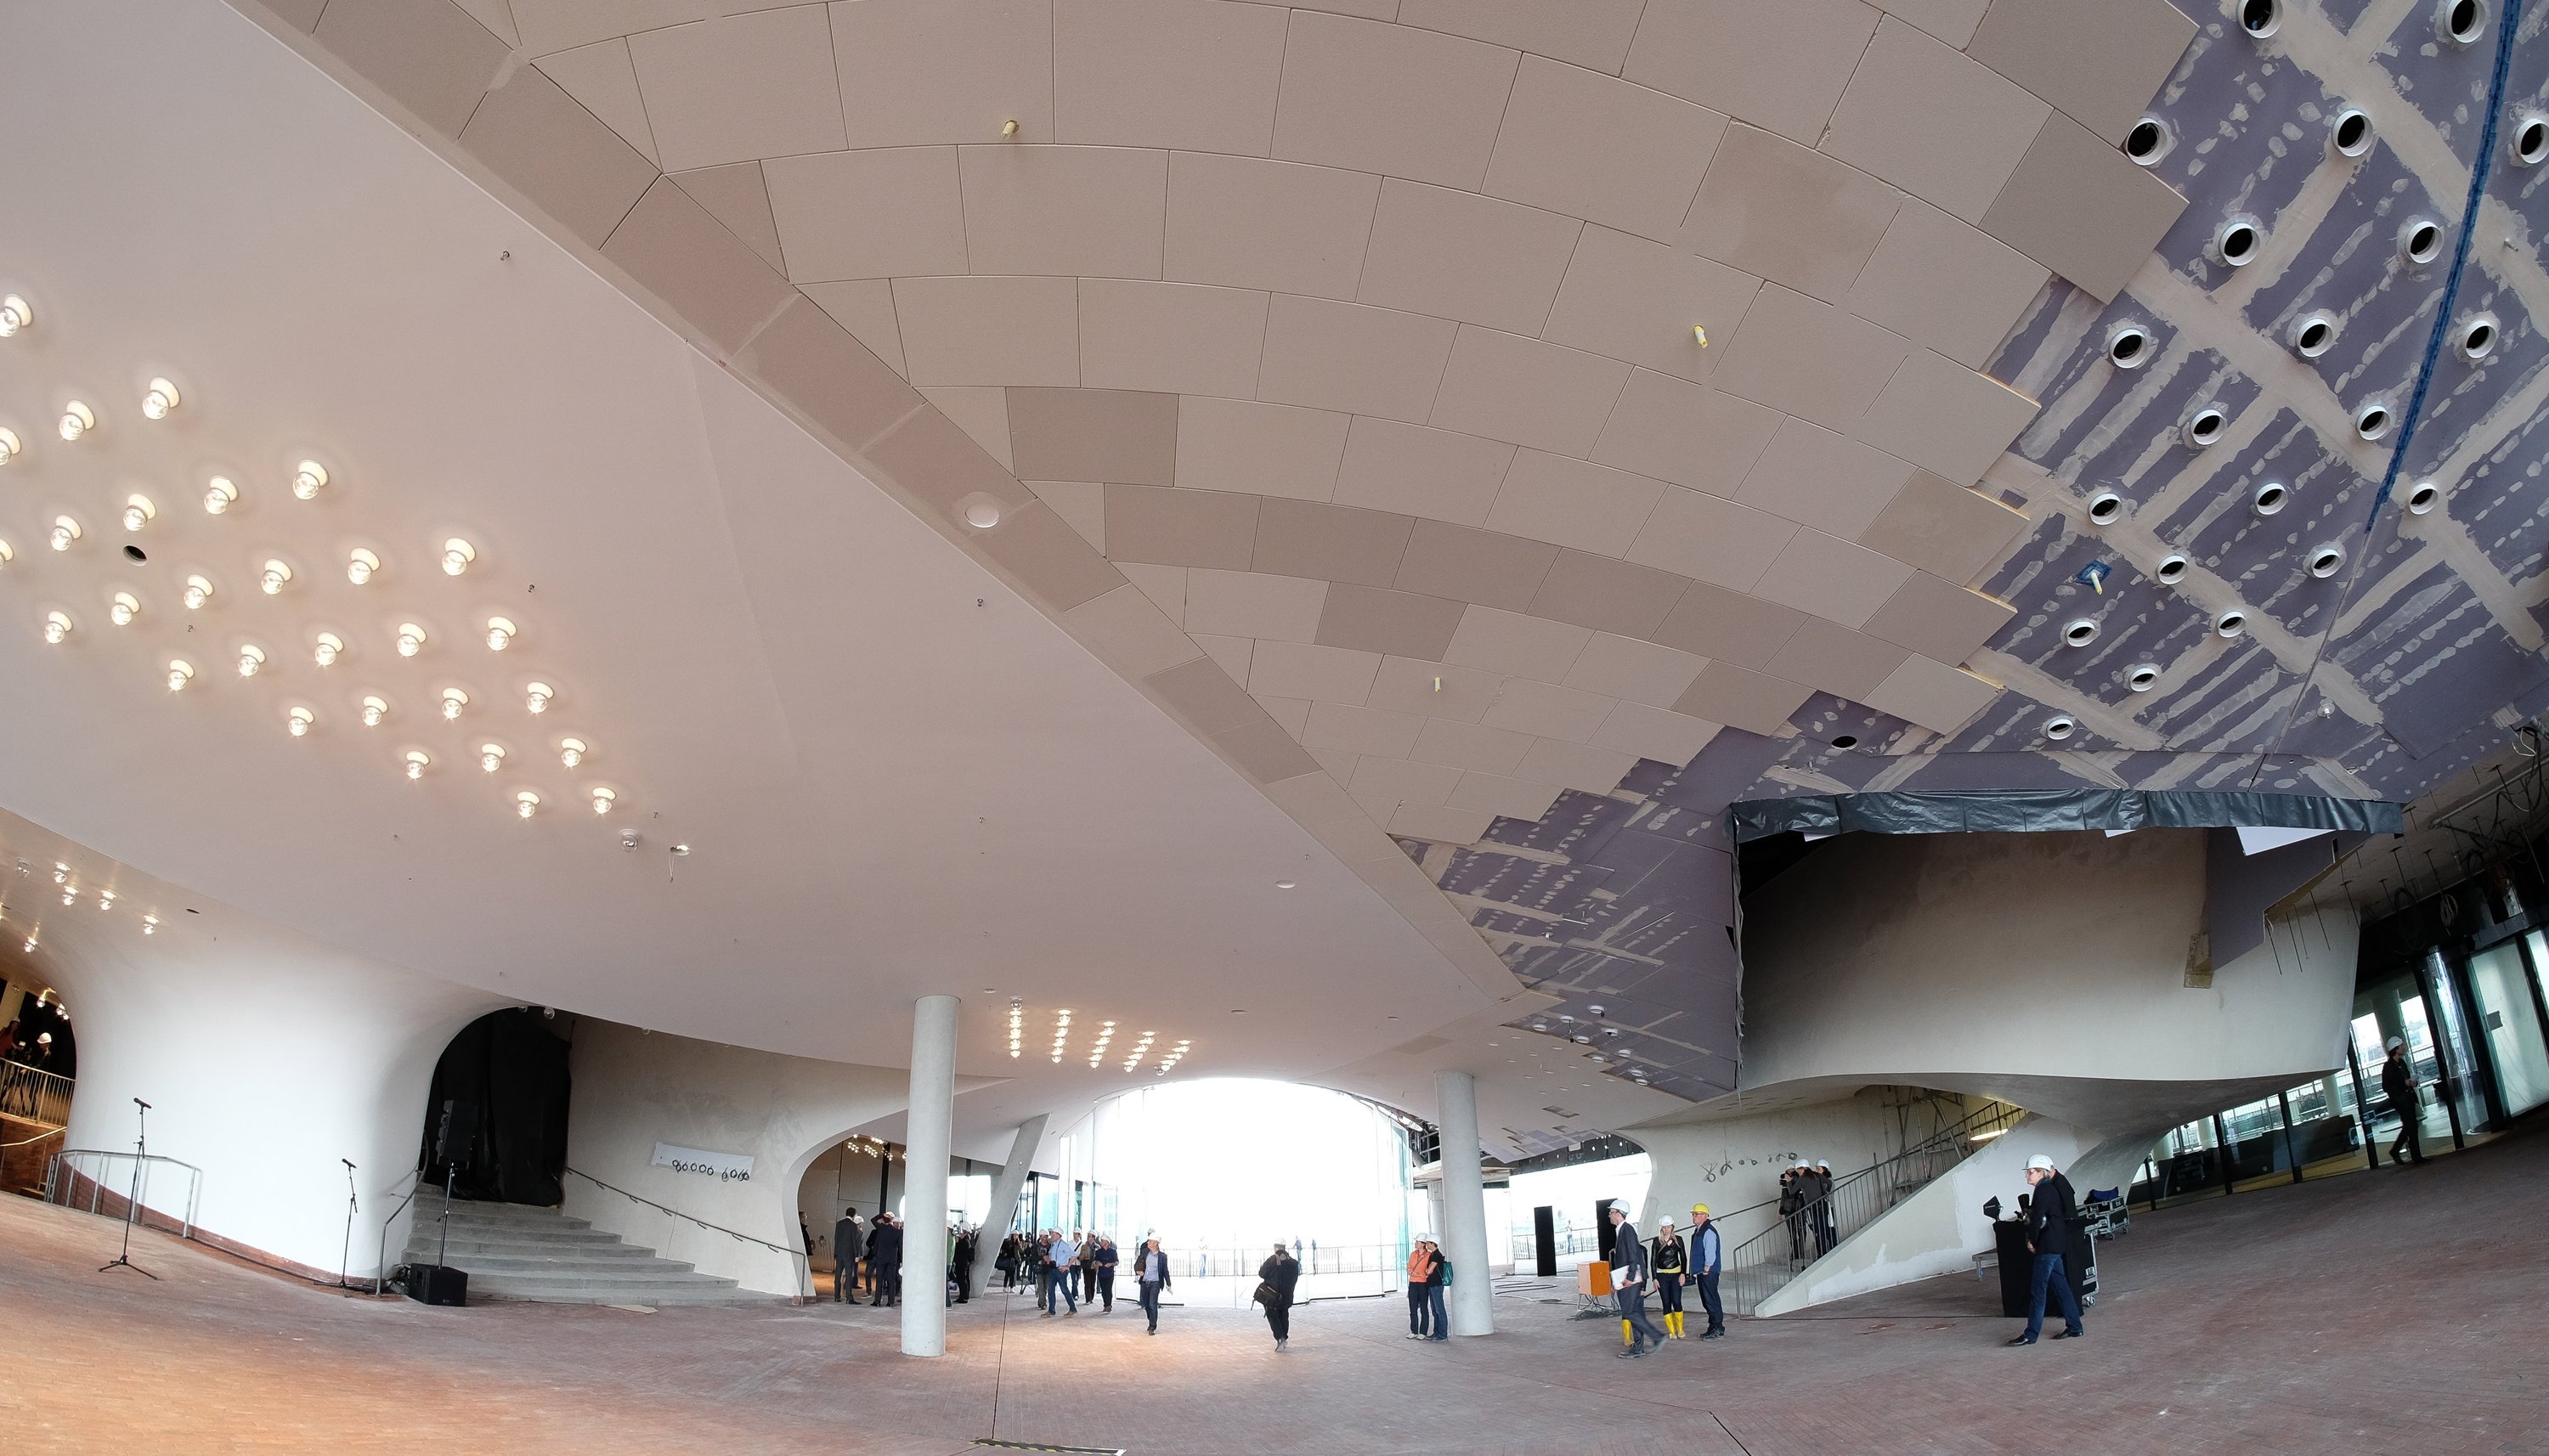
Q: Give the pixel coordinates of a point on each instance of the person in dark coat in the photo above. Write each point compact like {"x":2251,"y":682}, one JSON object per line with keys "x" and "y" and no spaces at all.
{"x":1151,"y":1272}
{"x":849,"y":1241}
{"x":1629,"y":1276}
{"x":885,"y":1262}
{"x":1819,"y":1210}
{"x":1105,"y":1262}
{"x":1792,"y":1204}
{"x":2398,"y":1082}
{"x":1276,"y":1280}
{"x":965,"y":1243}
{"x":1707,"y":1261}
{"x":2052,"y":1215}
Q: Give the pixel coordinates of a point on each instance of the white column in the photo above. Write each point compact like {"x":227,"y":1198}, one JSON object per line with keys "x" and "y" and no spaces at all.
{"x":1464,"y":1205}
{"x":1005,"y":1188}
{"x":927,"y":1148}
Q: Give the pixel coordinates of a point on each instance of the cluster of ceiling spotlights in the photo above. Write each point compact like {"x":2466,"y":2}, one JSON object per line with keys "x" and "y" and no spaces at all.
{"x":66,"y":880}
{"x":1061,"y":1033}
{"x":80,"y":421}
{"x":1100,"y":1050}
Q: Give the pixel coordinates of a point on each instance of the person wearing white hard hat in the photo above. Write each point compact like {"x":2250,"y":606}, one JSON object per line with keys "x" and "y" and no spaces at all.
{"x":2399,"y":1080}
{"x":1792,"y":1209}
{"x":2050,"y":1216}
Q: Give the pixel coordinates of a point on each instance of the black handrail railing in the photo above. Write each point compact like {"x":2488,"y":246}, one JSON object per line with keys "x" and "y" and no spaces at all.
{"x":802,"y":1262}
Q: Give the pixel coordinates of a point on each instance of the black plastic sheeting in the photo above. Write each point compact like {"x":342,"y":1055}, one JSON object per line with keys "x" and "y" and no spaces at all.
{"x":505,"y":1076}
{"x":2039,"y":810}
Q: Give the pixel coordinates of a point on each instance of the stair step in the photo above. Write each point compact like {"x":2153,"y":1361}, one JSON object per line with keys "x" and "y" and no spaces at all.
{"x":514,"y":1251}
{"x":651,"y":1272}
{"x":430,"y":1241}
{"x":579,"y":1294}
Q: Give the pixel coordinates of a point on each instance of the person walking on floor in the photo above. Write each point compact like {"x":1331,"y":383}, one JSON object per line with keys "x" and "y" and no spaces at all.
{"x":1670,"y":1262}
{"x":1420,"y":1270}
{"x":885,"y":1262}
{"x":1006,"y":1262}
{"x":1105,"y":1264}
{"x":963,"y":1255}
{"x":849,"y":1237}
{"x":1629,"y":1275}
{"x":1707,"y":1261}
{"x":1151,"y":1272}
{"x":1088,"y":1245}
{"x":2399,"y":1081}
{"x":2050,"y":1217}
{"x":1275,"y":1279}
{"x":1062,"y":1273}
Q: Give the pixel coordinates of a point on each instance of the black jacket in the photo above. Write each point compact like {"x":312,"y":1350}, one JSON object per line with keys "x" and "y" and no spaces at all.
{"x":847,"y":1240}
{"x":884,"y":1246}
{"x":1282,"y":1271}
{"x":1142,"y":1267}
{"x":1628,"y":1256}
{"x":2399,"y":1080}
{"x":2052,"y":1216}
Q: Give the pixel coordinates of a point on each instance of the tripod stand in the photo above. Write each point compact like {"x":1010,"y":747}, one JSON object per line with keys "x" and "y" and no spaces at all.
{"x":133,"y":1199}
{"x":344,"y":1259}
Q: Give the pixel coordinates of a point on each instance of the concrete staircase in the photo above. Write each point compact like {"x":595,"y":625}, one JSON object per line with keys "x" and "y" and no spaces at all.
{"x":513,"y":1251}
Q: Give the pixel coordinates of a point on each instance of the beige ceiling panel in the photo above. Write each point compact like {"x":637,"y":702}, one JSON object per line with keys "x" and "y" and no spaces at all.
{"x":1293,"y":712}
{"x":1710,"y":539}
{"x":741,"y":87}
{"x":915,"y":72}
{"x":1083,"y":506}
{"x":1329,"y":355}
{"x":1166,"y":74}
{"x":1097,"y":210}
{"x":672,"y":249}
{"x":1439,"y":474}
{"x":982,"y":410}
{"x":1788,"y":213}
{"x":2098,"y":61}
{"x":1818,"y":478}
{"x":1638,"y":671}
{"x":1660,"y":734}
{"x":1204,"y":695}
{"x":554,"y":24}
{"x":933,"y":460}
{"x":1265,"y":752}
{"x":1436,"y":689}
{"x":1809,"y":358}
{"x":1124,"y":628}
{"x":989,"y":331}
{"x":1261,"y":449}
{"x":865,"y":308}
{"x":1938,"y":618}
{"x":1243,"y":223}
{"x":1573,"y":502}
{"x":1944,"y":418}
{"x":1440,"y":825}
{"x":1588,"y":145}
{"x":494,"y":16}
{"x":1458,"y":255}
{"x":1575,"y":766}
{"x":1172,"y":336}
{"x":1946,"y":284}
{"x":603,"y":80}
{"x":1951,"y":21}
{"x":1509,"y":388}
{"x":1743,"y":699}
{"x":1119,"y":436}
{"x":1173,"y":527}
{"x":1588,"y":32}
{"x":1320,"y":674}
{"x":1639,"y":301}
{"x":1062,"y":571}
{"x":1347,"y":728}
{"x":434,"y":59}
{"x":734,"y":195}
{"x":1831,"y":578}
{"x":1933,"y":695}
{"x":1165,"y":585}
{"x":1678,"y":432}
{"x":1254,"y":605}
{"x":1463,"y":564}
{"x":1943,"y":528}
{"x":1336,"y":543}
{"x":1396,"y":623}
{"x":561,"y":157}
{"x":1776,"y":63}
{"x":1933,"y":122}
{"x":1368,"y":9}
{"x":1470,"y":746}
{"x":1404,"y":780}
{"x":1727,"y":626}
{"x":891,"y":213}
{"x":832,"y":380}
{"x":1606,"y":595}
{"x":1232,"y":653}
{"x":1510,"y":642}
{"x":1839,"y":660}
{"x":1547,"y":710}
{"x":1504,"y":797}
{"x":1388,"y":99}
{"x":2083,"y":208}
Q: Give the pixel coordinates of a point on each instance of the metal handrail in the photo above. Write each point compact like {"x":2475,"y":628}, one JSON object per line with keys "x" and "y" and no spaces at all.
{"x":34,"y":1094}
{"x":381,"y":1250}
{"x":801,"y":1260}
{"x":56,"y":1188}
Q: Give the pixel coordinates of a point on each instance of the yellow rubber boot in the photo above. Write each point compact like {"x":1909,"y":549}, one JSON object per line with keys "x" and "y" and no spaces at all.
{"x":1623,"y":1331}
{"x":1673,"y":1321}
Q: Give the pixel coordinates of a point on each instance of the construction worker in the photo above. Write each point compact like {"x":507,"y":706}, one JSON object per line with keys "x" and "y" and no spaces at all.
{"x":1707,"y":1261}
{"x":1670,"y":1262}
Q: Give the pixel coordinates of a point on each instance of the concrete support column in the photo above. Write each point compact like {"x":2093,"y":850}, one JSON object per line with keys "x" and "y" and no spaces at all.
{"x":1464,"y":1205}
{"x":927,"y":1148}
{"x":1005,"y":1189}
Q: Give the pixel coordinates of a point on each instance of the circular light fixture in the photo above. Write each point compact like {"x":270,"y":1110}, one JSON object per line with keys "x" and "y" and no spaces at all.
{"x":2349,"y":134}
{"x":453,"y":700}
{"x":2458,"y":22}
{"x":2260,"y":18}
{"x":491,"y":756}
{"x":156,"y":401}
{"x":2311,"y":334}
{"x":251,"y":659}
{"x":220,"y":494}
{"x":2530,"y":140}
{"x":410,"y":639}
{"x":2171,"y":569}
{"x":2270,"y":497}
{"x":2237,"y":240}
{"x":65,"y":531}
{"x":298,"y":721}
{"x":361,"y":565}
{"x":2478,"y":334}
{"x":456,"y":556}
{"x":2106,"y":508}
{"x":2425,"y":497}
{"x":375,"y":709}
{"x":527,"y":803}
{"x":2080,"y":633}
{"x":276,"y":577}
{"x":139,"y":513}
{"x":10,"y":445}
{"x":150,"y":925}
{"x":180,"y":673}
{"x":2203,"y":425}
{"x":329,"y":648}
{"x":570,"y":751}
{"x":198,"y":589}
{"x":1285,"y":884}
{"x":2420,"y":240}
{"x":604,"y":798}
{"x":2128,"y":346}
{"x":2327,"y":559}
{"x":124,"y":609}
{"x":418,"y":761}
{"x":500,"y":633}
{"x":308,"y":478}
{"x":2230,"y":623}
{"x":8,"y":553}
{"x":2142,"y":676}
{"x":77,"y":420}
{"x":539,"y":696}
{"x":15,"y":314}
{"x":2150,"y":140}
{"x":57,"y":627}
{"x":2372,"y":421}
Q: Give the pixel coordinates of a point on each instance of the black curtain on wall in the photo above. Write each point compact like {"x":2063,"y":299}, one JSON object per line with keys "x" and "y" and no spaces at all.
{"x":505,"y":1078}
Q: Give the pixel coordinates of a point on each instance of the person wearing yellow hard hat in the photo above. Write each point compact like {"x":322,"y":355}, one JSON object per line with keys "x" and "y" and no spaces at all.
{"x":1707,"y":1261}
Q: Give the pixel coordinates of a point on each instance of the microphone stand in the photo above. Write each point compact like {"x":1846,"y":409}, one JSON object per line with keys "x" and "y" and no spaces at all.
{"x":345,"y":1260}
{"x":133,"y":1199}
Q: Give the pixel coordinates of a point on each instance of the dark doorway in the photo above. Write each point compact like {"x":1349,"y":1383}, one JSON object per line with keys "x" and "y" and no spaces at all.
{"x":503,"y":1082}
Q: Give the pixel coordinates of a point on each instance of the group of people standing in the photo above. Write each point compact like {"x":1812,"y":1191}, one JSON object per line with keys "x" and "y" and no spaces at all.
{"x":1427,"y":1275}
{"x":1805,"y":1205}
{"x":1671,"y":1266}
{"x":867,"y":1256}
{"x":1080,"y":1268}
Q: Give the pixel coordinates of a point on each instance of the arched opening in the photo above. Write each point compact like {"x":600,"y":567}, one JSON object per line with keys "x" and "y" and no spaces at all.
{"x":496,"y":1114}
{"x":38,"y":1062}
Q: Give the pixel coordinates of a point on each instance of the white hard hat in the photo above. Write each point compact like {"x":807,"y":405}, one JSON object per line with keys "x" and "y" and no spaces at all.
{"x":2039,"y":1161}
{"x":2397,"y":1041}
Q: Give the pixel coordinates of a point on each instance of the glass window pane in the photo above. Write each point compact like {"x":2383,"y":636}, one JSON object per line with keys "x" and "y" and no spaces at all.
{"x":2512,"y":1024}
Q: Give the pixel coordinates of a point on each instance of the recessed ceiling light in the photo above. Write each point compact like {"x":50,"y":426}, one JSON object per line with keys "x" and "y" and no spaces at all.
{"x":139,"y":513}
{"x":410,"y":639}
{"x":298,"y":721}
{"x":603,"y":799}
{"x":330,"y":647}
{"x":77,"y":421}
{"x":1284,"y":884}
{"x":156,"y":401}
{"x":180,"y":673}
{"x":275,"y":578}
{"x":500,"y":633}
{"x":491,"y":756}
{"x":15,"y":314}
{"x":124,"y":609}
{"x":418,"y":761}
{"x":251,"y":659}
{"x":8,"y":553}
{"x":220,"y":494}
{"x":453,"y":700}
{"x":65,"y":531}
{"x":361,"y":566}
{"x":308,"y":478}
{"x":456,"y":556}
{"x":374,"y":710}
{"x":537,"y":697}
{"x":10,"y":445}
{"x":570,"y":751}
{"x":57,"y":627}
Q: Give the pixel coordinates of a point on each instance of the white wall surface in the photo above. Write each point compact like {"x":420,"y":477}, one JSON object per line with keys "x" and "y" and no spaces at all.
{"x":1733,"y":1163}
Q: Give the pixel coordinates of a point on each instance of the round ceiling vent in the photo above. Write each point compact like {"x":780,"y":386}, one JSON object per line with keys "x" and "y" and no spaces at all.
{"x":2530,"y":140}
{"x":2458,"y":22}
{"x":2325,"y":560}
{"x":2237,"y":240}
{"x":2142,"y":676}
{"x":2059,"y":727}
{"x":2270,"y":497}
{"x":979,"y":510}
{"x":2350,"y":134}
{"x":2311,"y":334}
{"x":2128,"y":346}
{"x":2171,"y":569}
{"x":2230,"y":623}
{"x":2203,"y":425}
{"x":2425,"y":497}
{"x":2420,"y":240}
{"x":2080,"y":633}
{"x":2150,"y":140}
{"x":2372,"y":421}
{"x":2106,"y":508}
{"x":2477,"y":334}
{"x":2260,"y":18}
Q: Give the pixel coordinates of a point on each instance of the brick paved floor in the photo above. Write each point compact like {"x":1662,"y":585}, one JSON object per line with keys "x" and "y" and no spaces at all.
{"x":2389,"y":1312}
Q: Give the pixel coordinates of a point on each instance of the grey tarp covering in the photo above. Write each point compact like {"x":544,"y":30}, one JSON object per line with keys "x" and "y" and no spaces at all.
{"x":2036,"y":811}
